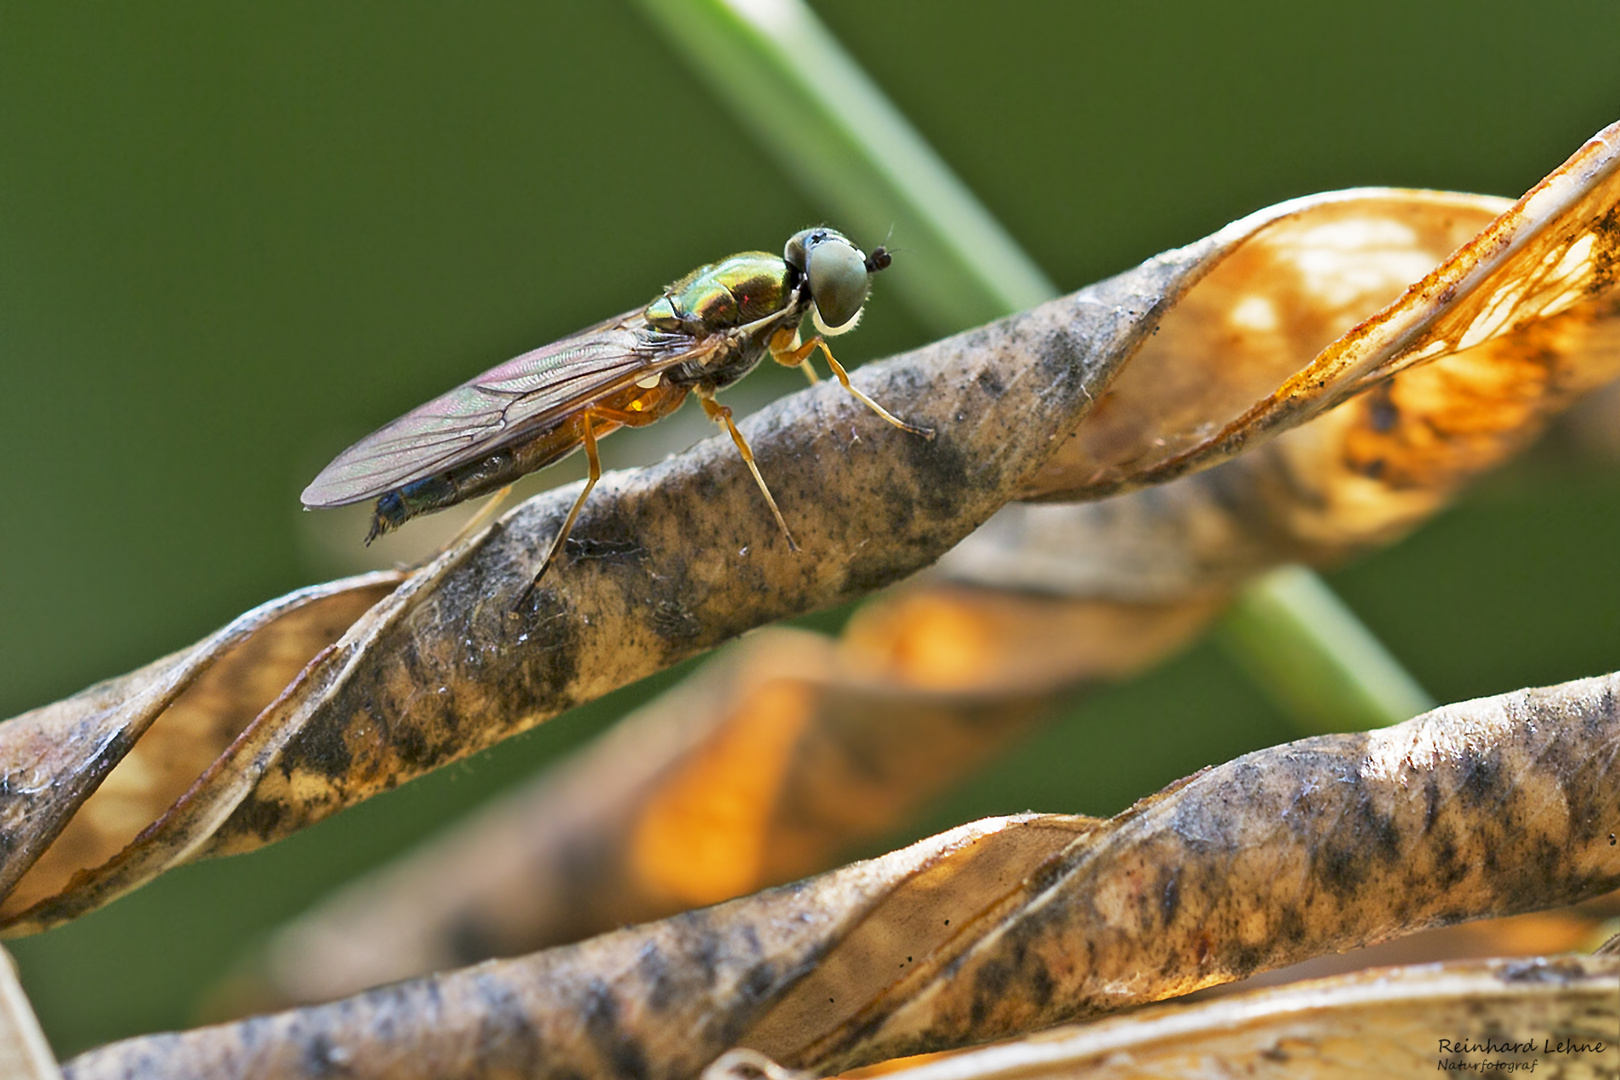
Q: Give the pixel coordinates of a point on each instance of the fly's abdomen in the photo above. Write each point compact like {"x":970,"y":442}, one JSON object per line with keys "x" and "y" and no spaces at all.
{"x":632,"y":406}
{"x":489,"y":473}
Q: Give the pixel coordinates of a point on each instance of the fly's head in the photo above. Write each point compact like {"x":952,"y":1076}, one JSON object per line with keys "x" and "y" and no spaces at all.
{"x":838,"y":274}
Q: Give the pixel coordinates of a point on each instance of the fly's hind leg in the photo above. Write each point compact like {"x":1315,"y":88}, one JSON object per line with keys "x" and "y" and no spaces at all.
{"x":786,"y":350}
{"x":722,"y":414}
{"x":478,"y":520}
{"x":557,"y":541}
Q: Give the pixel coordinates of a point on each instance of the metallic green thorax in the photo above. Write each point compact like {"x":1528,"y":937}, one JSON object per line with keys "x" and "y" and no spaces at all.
{"x":730,"y":293}
{"x":737,"y":304}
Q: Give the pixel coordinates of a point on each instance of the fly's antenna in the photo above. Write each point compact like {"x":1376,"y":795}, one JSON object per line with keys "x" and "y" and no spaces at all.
{"x":882,"y":255}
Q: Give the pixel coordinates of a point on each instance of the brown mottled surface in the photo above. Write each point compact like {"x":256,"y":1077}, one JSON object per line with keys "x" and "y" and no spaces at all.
{"x":75,"y":784}
{"x":1488,"y":807}
{"x":761,"y":768}
{"x":650,"y":1002}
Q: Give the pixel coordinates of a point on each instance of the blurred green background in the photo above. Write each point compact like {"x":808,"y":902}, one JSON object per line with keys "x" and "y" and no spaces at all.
{"x":235,"y":237}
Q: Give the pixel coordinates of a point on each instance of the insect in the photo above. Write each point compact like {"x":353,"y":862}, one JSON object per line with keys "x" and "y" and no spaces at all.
{"x":703,"y":333}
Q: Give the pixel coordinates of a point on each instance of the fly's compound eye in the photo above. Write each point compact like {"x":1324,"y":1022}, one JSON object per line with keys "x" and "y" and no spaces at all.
{"x":838,"y":282}
{"x":797,"y":252}
{"x":798,"y":245}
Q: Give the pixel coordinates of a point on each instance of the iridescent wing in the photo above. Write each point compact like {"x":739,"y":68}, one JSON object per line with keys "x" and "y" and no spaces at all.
{"x":503,"y":404}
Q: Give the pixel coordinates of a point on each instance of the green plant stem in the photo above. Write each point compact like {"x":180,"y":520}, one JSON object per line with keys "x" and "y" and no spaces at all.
{"x":832,"y":130}
{"x":1313,"y":656}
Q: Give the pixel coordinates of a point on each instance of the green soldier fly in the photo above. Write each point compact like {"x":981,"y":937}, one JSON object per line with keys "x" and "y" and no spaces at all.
{"x":704,"y":332}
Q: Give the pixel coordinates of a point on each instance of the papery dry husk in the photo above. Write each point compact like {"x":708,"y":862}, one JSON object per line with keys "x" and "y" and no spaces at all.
{"x":1558,"y":1013}
{"x":1009,"y":925}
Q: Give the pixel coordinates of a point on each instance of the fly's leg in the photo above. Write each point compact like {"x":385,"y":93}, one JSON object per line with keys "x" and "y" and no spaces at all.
{"x":792,"y":349}
{"x":786,"y":350}
{"x":481,"y":518}
{"x":589,"y":438}
{"x":722,"y":414}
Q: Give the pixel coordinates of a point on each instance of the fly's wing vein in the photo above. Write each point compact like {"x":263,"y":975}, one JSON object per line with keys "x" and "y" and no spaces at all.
{"x":499,"y":406}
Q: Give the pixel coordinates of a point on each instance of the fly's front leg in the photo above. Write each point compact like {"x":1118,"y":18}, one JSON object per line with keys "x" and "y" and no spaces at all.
{"x":589,"y":438}
{"x":722,"y":414}
{"x":786,"y":350}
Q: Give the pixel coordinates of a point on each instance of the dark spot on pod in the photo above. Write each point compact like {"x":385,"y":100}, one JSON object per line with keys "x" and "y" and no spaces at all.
{"x":1340,"y":868}
{"x":1047,"y":874}
{"x":544,"y":636}
{"x":1041,"y":984}
{"x":901,"y":513}
{"x":1431,"y":802}
{"x":1245,"y":960}
{"x":1291,"y":925}
{"x":1063,"y":353}
{"x":261,"y":817}
{"x":1170,"y":897}
{"x":1380,"y":830}
{"x":507,"y":1043}
{"x":943,"y":475}
{"x":1448,"y":869}
{"x":663,"y":989}
{"x":1544,"y":863}
{"x":320,"y":748}
{"x":705,"y":957}
{"x":1481,"y":780}
{"x":412,"y":745}
{"x":620,"y":1049}
{"x":324,"y":1058}
{"x":1382,"y":412}
{"x":759,"y":982}
{"x":990,"y":985}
